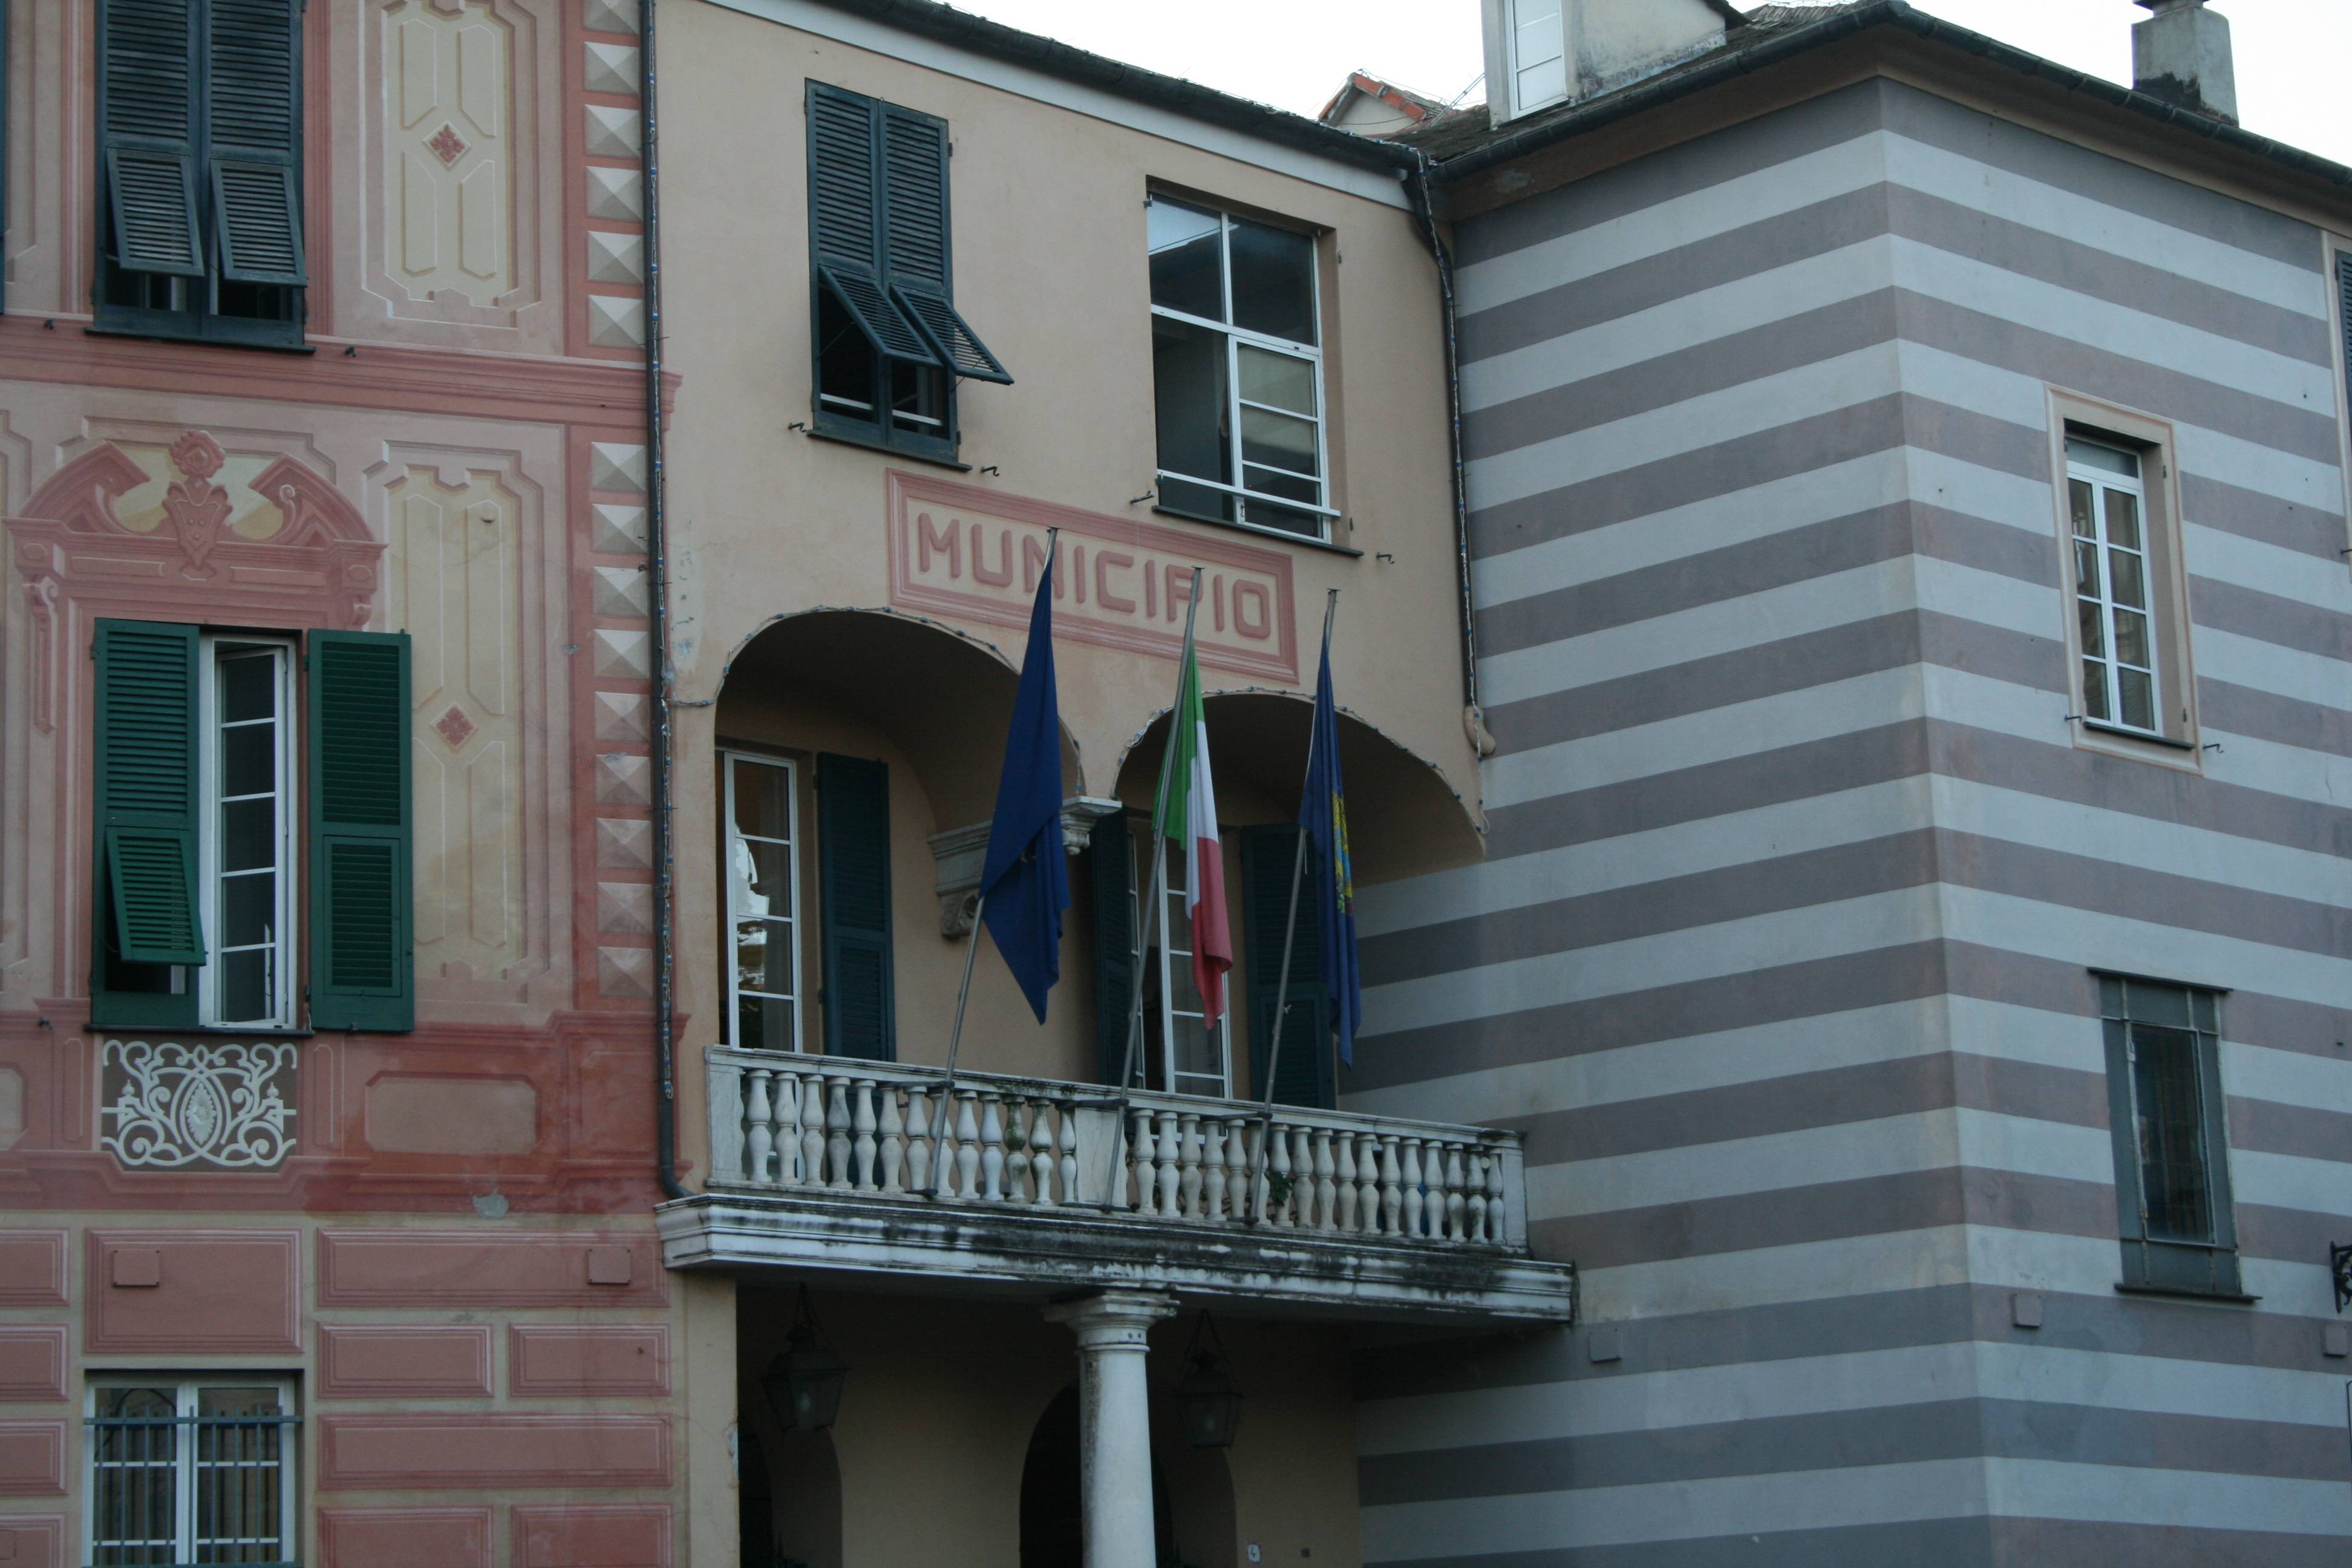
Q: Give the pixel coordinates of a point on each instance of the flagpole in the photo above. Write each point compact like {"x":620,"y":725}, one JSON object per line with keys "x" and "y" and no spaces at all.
{"x":964,"y":990}
{"x":1159,"y":861}
{"x":1289,"y":935}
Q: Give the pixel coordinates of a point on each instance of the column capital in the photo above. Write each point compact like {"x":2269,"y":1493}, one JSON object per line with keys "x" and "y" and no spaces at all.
{"x":1113,"y":1319}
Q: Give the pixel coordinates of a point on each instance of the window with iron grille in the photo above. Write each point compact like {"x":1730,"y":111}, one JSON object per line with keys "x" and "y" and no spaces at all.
{"x":2171,"y":1143}
{"x":182,"y":1473}
{"x":200,"y":169}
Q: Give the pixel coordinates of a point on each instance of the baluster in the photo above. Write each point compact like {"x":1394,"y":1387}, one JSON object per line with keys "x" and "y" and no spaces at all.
{"x":1042,"y":1151}
{"x":784,"y":1110}
{"x":1016,"y":1149}
{"x":1478,"y":1196}
{"x":1214,"y":1132}
{"x":1456,"y":1209}
{"x":919,"y":1138}
{"x":894,"y":1140}
{"x":1187,"y":1165}
{"x":1142,"y":1153}
{"x":967,"y":1137}
{"x":1278,"y":1176}
{"x":1302,"y":1168}
{"x":1433,"y":1182}
{"x":861,"y":1099}
{"x":1493,"y":1197}
{"x":836,"y":1132}
{"x":1326,"y":1188}
{"x":1368,"y":1182}
{"x":1391,"y":1187}
{"x":1257,"y":1170}
{"x":1067,"y":1125}
{"x":1413,"y":1188}
{"x":812,"y":1096}
{"x":992,"y":1147}
{"x":1345,"y":1169}
{"x":1170,"y":1149}
{"x":759,"y":1140}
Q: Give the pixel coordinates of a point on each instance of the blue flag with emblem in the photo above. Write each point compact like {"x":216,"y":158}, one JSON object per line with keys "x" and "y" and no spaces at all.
{"x":1025,"y":880}
{"x":1323,"y":815}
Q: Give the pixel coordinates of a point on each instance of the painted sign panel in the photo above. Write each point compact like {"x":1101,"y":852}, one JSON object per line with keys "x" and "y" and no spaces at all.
{"x":976,"y":554}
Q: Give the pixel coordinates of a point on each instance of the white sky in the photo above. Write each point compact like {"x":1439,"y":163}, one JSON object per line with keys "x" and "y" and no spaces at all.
{"x":2290,"y":54}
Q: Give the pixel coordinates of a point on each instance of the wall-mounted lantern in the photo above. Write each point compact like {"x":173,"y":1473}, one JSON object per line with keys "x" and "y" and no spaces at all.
{"x":804,"y":1384}
{"x":1208,"y":1401}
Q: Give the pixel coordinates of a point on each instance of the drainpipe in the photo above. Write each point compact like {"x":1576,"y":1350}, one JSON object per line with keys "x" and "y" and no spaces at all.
{"x":1474,"y":719}
{"x":657,"y":659}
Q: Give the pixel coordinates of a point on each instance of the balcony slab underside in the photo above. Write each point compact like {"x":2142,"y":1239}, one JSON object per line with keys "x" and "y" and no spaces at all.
{"x":950,"y":1249}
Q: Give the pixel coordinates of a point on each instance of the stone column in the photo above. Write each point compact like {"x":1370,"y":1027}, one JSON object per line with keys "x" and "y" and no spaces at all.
{"x":1115,"y":1421}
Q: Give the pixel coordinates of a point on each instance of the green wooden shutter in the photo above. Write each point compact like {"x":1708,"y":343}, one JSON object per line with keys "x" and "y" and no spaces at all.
{"x":1304,"y":1075}
{"x":147,"y":133}
{"x":4,"y":149}
{"x":362,"y":859}
{"x":253,"y":121}
{"x":2344,"y":320}
{"x":846,"y":219}
{"x":1110,"y":868}
{"x":149,"y":798}
{"x":915,"y":252}
{"x":853,"y":802}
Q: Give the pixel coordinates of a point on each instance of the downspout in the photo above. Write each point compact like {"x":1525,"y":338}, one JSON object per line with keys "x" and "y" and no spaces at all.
{"x":1474,"y":718}
{"x":657,"y":657}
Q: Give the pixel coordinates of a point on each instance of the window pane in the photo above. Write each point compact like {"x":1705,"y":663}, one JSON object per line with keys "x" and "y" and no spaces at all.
{"x":1187,"y":270}
{"x":763,"y":1023}
{"x":2094,"y":690}
{"x":763,"y":956}
{"x":2167,"y":1099}
{"x":249,"y":759}
{"x":248,"y":908}
{"x":134,"y":1482}
{"x":245,"y":987}
{"x":919,"y":398}
{"x":845,"y":368}
{"x":762,"y":799}
{"x":1277,"y":482}
{"x":1274,"y":281}
{"x":2138,"y":693}
{"x":2086,"y":565}
{"x":763,"y":879}
{"x":248,"y":835}
{"x":1188,"y":381}
{"x":2110,"y":459}
{"x":2131,"y":637}
{"x":2078,"y":507}
{"x":2124,"y":580}
{"x":2123,"y":519}
{"x":1281,"y":380}
{"x":248,"y":687}
{"x":2093,"y":621}
{"x":1278,"y":441}
{"x":1266,"y":514}
{"x":237,"y":1475}
{"x":1199,"y":500}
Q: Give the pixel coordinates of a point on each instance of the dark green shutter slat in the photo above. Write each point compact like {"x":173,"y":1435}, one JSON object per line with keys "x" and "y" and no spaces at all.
{"x":1304,"y":1075}
{"x":2344,"y":320}
{"x":148,"y":795}
{"x":363,"y":967}
{"x":147,"y":133}
{"x":958,"y":346}
{"x":877,"y":316}
{"x":844,"y":178}
{"x":914,"y":197}
{"x":253,"y":102}
{"x":1111,"y":867}
{"x":853,"y":798}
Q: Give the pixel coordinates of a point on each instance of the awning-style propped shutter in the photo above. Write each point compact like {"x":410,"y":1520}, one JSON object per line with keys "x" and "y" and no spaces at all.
{"x":877,"y":316}
{"x":253,"y":123}
{"x":145,"y":745}
{"x":958,"y":346}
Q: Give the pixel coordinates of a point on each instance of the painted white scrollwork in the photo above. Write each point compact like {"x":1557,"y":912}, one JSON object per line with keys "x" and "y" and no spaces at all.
{"x":177,"y":1104}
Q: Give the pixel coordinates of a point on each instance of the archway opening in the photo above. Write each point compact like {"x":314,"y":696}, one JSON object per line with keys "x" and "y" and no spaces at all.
{"x":1052,"y":1507}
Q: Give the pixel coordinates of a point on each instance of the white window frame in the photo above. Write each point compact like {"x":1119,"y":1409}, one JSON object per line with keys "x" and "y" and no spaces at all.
{"x":1513,"y":29}
{"x":2109,"y":659}
{"x":213,"y":650}
{"x":185,"y":1399}
{"x":1174,"y":961}
{"x":798,"y":1001}
{"x":1235,"y":337}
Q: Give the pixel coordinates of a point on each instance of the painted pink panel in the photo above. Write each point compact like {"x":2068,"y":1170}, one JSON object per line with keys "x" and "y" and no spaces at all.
{"x":485,"y":1268}
{"x":405,"y":1537}
{"x":33,"y":1539}
{"x":32,"y":1268}
{"x":32,"y":1364}
{"x":553,"y":1360}
{"x":560,"y":1537}
{"x":216,"y":1292}
{"x":32,"y":1458}
{"x":479,"y":1452}
{"x":377,"y":1363}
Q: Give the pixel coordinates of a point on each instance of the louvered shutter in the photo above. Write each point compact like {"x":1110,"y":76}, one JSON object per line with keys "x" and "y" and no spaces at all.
{"x":149,"y":798}
{"x":2344,"y":320}
{"x":1110,"y":868}
{"x":916,"y":260}
{"x":846,"y":219}
{"x":1304,"y":1073}
{"x":852,"y":799}
{"x":147,"y":133}
{"x":4,"y":149}
{"x":361,"y":839}
{"x":252,"y":137}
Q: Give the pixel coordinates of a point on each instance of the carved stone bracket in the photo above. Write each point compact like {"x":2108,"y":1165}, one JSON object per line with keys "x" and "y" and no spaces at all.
{"x":960,"y":853}
{"x":171,"y":1105}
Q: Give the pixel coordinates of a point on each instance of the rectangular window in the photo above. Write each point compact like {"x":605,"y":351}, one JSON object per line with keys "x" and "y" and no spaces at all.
{"x":196,"y":898}
{"x":1539,"y":54}
{"x":200,"y":172}
{"x":763,"y":901}
{"x":888,"y":343}
{"x":2107,"y":508}
{"x":191,"y":1472}
{"x":1237,"y":370}
{"x":2171,"y":1149}
{"x":1192,"y":1057}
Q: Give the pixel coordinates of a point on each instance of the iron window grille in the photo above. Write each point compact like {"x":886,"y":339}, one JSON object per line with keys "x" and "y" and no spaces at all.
{"x":191,"y":1475}
{"x":2171,"y":1149}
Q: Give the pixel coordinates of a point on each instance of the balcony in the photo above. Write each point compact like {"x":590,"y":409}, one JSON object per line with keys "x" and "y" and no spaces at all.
{"x":871,"y":1173}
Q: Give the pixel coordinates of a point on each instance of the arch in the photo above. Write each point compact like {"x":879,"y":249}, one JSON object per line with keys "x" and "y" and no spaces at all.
{"x":1053,"y":1526}
{"x":1403,"y":818}
{"x":944,"y":698}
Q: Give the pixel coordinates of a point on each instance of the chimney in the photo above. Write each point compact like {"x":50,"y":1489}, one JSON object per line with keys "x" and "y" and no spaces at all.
{"x":2181,"y":54}
{"x":1544,"y":52}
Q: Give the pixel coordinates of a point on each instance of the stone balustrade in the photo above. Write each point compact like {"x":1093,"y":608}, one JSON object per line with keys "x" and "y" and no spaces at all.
{"x":831,"y":1127}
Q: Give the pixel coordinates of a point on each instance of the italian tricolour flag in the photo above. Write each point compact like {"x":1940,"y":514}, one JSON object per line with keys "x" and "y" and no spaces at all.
{"x":1187,"y":813}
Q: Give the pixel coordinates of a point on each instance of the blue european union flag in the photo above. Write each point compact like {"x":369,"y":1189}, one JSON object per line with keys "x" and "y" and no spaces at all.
{"x":1323,"y":815}
{"x":1025,"y":880}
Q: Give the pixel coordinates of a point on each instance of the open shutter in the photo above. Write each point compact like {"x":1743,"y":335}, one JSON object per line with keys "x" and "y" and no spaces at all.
{"x":4,"y":149}
{"x":846,"y":219}
{"x":147,"y":133}
{"x":1110,"y":868}
{"x":363,"y":967}
{"x":853,"y":803}
{"x":1304,"y":1073}
{"x":915,"y":244}
{"x":148,"y":795}
{"x":2344,"y":320}
{"x":254,"y":137}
